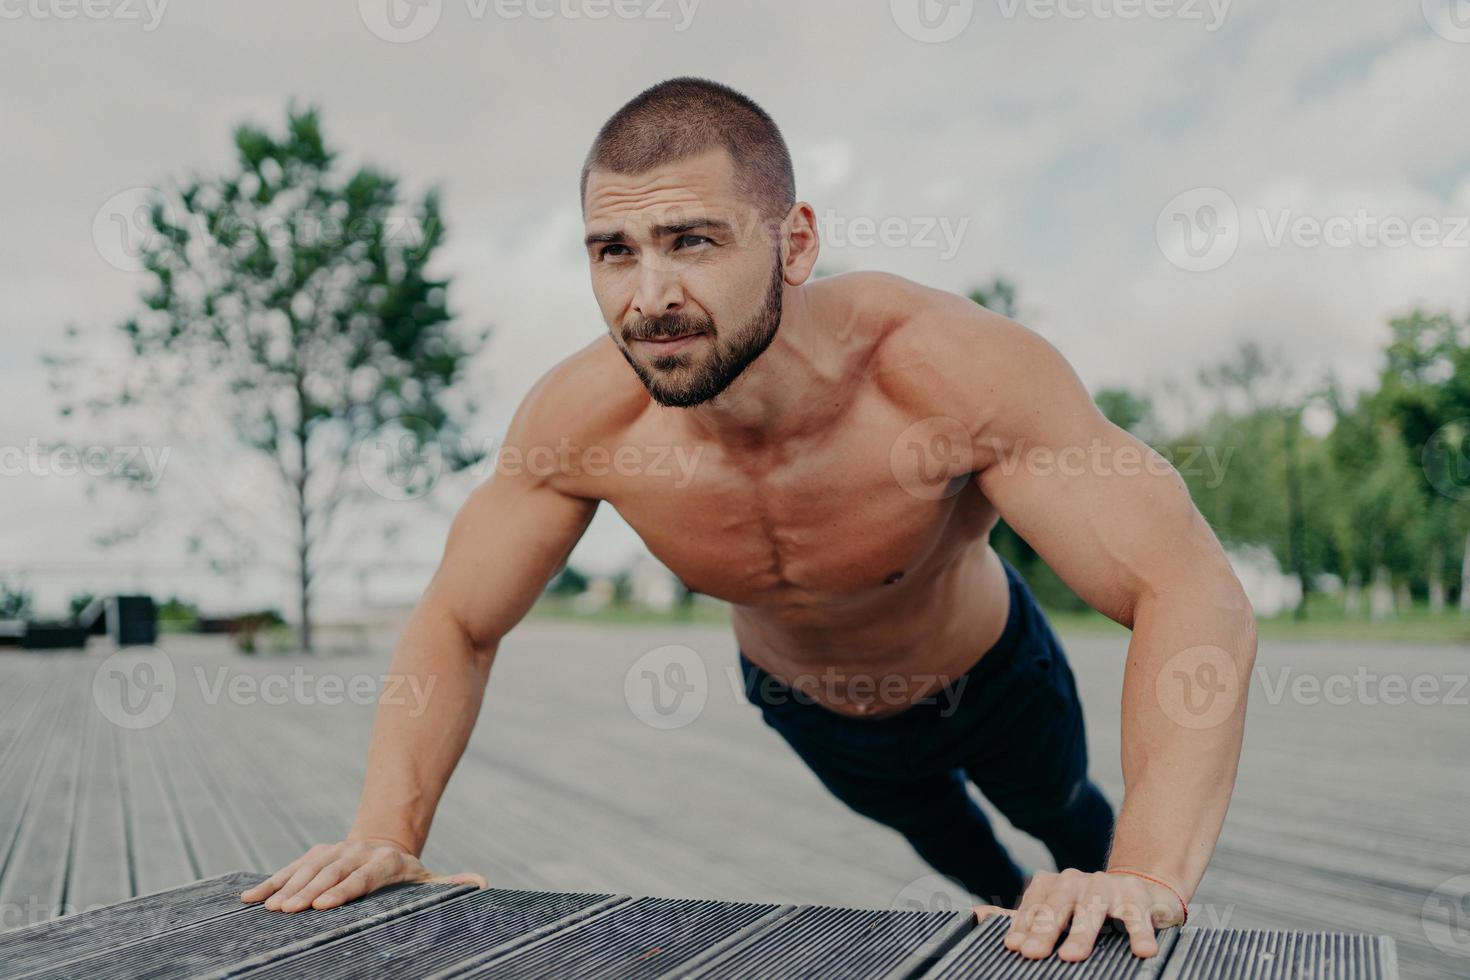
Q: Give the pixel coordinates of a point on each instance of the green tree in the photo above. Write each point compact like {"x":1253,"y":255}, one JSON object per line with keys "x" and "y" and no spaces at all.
{"x":295,"y":296}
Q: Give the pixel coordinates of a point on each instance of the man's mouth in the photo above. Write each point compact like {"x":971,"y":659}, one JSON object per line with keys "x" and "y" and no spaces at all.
{"x":667,"y":345}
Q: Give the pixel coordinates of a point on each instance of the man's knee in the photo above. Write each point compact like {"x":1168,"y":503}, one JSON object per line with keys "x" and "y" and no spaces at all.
{"x":1048,"y":803}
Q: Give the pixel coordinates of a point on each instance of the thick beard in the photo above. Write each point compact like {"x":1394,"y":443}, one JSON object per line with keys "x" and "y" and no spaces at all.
{"x":724,"y":365}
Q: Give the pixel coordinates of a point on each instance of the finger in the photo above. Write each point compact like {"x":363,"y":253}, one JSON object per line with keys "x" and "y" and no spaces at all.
{"x":1035,"y":897}
{"x":1046,"y":928}
{"x":1088,"y":917}
{"x":1139,"y":922}
{"x":359,"y":883}
{"x":269,"y":887}
{"x":325,"y":878}
{"x":983,"y":912}
{"x":306,"y":871}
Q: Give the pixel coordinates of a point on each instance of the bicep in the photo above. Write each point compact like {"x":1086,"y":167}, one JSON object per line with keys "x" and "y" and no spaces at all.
{"x":1109,"y":514}
{"x":506,"y":542}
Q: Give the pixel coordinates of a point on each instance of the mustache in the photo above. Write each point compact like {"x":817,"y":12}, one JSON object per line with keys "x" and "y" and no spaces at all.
{"x":671,"y":325}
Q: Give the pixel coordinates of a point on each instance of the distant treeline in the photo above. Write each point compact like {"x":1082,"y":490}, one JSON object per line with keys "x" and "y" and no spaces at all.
{"x":1360,"y":492}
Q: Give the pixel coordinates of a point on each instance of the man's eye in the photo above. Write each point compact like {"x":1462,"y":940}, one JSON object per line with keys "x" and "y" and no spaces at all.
{"x":613,"y":251}
{"x":686,"y":241}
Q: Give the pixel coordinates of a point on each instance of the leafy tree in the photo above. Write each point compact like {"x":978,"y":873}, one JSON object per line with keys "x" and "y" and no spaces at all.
{"x":294,"y":296}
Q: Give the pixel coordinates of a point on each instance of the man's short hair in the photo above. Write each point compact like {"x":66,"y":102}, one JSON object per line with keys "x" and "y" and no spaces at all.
{"x":684,"y":117}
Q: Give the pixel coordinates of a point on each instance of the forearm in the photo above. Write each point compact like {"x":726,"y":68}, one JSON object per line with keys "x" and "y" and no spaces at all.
{"x":1184,"y":699}
{"x":417,"y":741}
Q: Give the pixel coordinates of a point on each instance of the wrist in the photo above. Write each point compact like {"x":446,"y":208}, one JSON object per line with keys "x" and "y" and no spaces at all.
{"x":403,"y":842}
{"x":1161,"y":886}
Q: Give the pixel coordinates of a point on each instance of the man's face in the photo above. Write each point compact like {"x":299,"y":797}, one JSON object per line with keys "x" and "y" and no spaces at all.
{"x":688,"y":279}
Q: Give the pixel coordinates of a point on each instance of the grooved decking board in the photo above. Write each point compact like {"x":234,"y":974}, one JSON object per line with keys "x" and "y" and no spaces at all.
{"x":818,"y":942}
{"x":100,"y":842}
{"x":439,"y":936}
{"x":222,"y":945}
{"x":40,"y":848}
{"x":1257,"y":954}
{"x":644,"y":938}
{"x":75,"y":936}
{"x":982,"y":954}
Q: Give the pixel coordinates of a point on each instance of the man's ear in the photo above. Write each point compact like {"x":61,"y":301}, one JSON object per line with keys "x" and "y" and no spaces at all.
{"x":799,"y":243}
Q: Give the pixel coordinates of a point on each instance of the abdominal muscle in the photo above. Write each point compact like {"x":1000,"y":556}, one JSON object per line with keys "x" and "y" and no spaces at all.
{"x":876,"y":655}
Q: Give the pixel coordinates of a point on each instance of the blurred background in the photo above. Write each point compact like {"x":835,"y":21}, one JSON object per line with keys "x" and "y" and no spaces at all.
{"x":276,"y":275}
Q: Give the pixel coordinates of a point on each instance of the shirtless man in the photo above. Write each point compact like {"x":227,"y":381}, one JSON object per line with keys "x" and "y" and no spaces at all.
{"x":856,"y":438}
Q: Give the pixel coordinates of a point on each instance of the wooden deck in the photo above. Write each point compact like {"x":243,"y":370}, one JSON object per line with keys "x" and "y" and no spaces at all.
{"x":1350,"y":815}
{"x":439,"y":931}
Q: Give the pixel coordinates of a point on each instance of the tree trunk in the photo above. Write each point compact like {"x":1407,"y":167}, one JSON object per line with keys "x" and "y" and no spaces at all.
{"x":1380,"y":595}
{"x":1295,"y":516}
{"x":1353,"y":596}
{"x":1465,"y":578}
{"x":1436,"y":579}
{"x":303,"y":527}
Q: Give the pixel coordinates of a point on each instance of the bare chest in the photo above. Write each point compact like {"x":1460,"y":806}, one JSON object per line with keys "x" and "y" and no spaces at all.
{"x":829,"y":519}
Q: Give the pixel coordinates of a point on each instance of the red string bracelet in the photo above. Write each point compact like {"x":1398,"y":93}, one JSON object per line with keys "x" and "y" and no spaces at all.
{"x":1163,"y":884}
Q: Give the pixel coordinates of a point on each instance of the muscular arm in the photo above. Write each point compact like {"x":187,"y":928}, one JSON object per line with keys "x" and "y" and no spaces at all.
{"x":506,"y":542}
{"x":1116,"y":522}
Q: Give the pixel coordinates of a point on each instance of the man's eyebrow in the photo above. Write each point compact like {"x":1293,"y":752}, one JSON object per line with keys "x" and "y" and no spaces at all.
{"x":660,"y":231}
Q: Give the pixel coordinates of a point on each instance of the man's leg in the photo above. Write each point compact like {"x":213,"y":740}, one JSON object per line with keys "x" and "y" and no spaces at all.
{"x":941,"y":822}
{"x":868,"y":765}
{"x":1035,"y":772}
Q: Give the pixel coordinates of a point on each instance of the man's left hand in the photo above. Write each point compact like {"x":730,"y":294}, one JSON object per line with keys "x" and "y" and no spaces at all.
{"x":1086,"y":902}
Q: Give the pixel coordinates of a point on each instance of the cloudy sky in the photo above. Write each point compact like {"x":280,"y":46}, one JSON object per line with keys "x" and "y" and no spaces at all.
{"x":1163,"y":178}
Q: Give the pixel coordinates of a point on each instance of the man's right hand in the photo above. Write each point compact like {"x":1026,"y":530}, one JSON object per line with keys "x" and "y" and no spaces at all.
{"x":330,"y":874}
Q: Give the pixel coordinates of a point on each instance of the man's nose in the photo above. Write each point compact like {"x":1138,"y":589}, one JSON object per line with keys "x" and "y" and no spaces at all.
{"x":659,"y":291}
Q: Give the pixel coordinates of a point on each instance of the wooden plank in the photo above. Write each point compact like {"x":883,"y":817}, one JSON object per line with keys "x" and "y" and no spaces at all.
{"x":213,"y":841}
{"x":638,"y":940}
{"x":981,"y":953}
{"x":820,"y":941}
{"x":159,"y":851}
{"x":221,"y":945}
{"x":1278,"y":955}
{"x":440,"y":936}
{"x":40,"y":851}
{"x":75,"y":936}
{"x":99,"y":872}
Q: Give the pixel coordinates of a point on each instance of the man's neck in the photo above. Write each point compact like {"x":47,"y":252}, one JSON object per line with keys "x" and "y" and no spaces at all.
{"x":788,"y":390}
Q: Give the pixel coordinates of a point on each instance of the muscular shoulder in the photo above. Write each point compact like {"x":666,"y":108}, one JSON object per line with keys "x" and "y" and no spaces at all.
{"x":943,"y":355}
{"x":588,"y":398}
